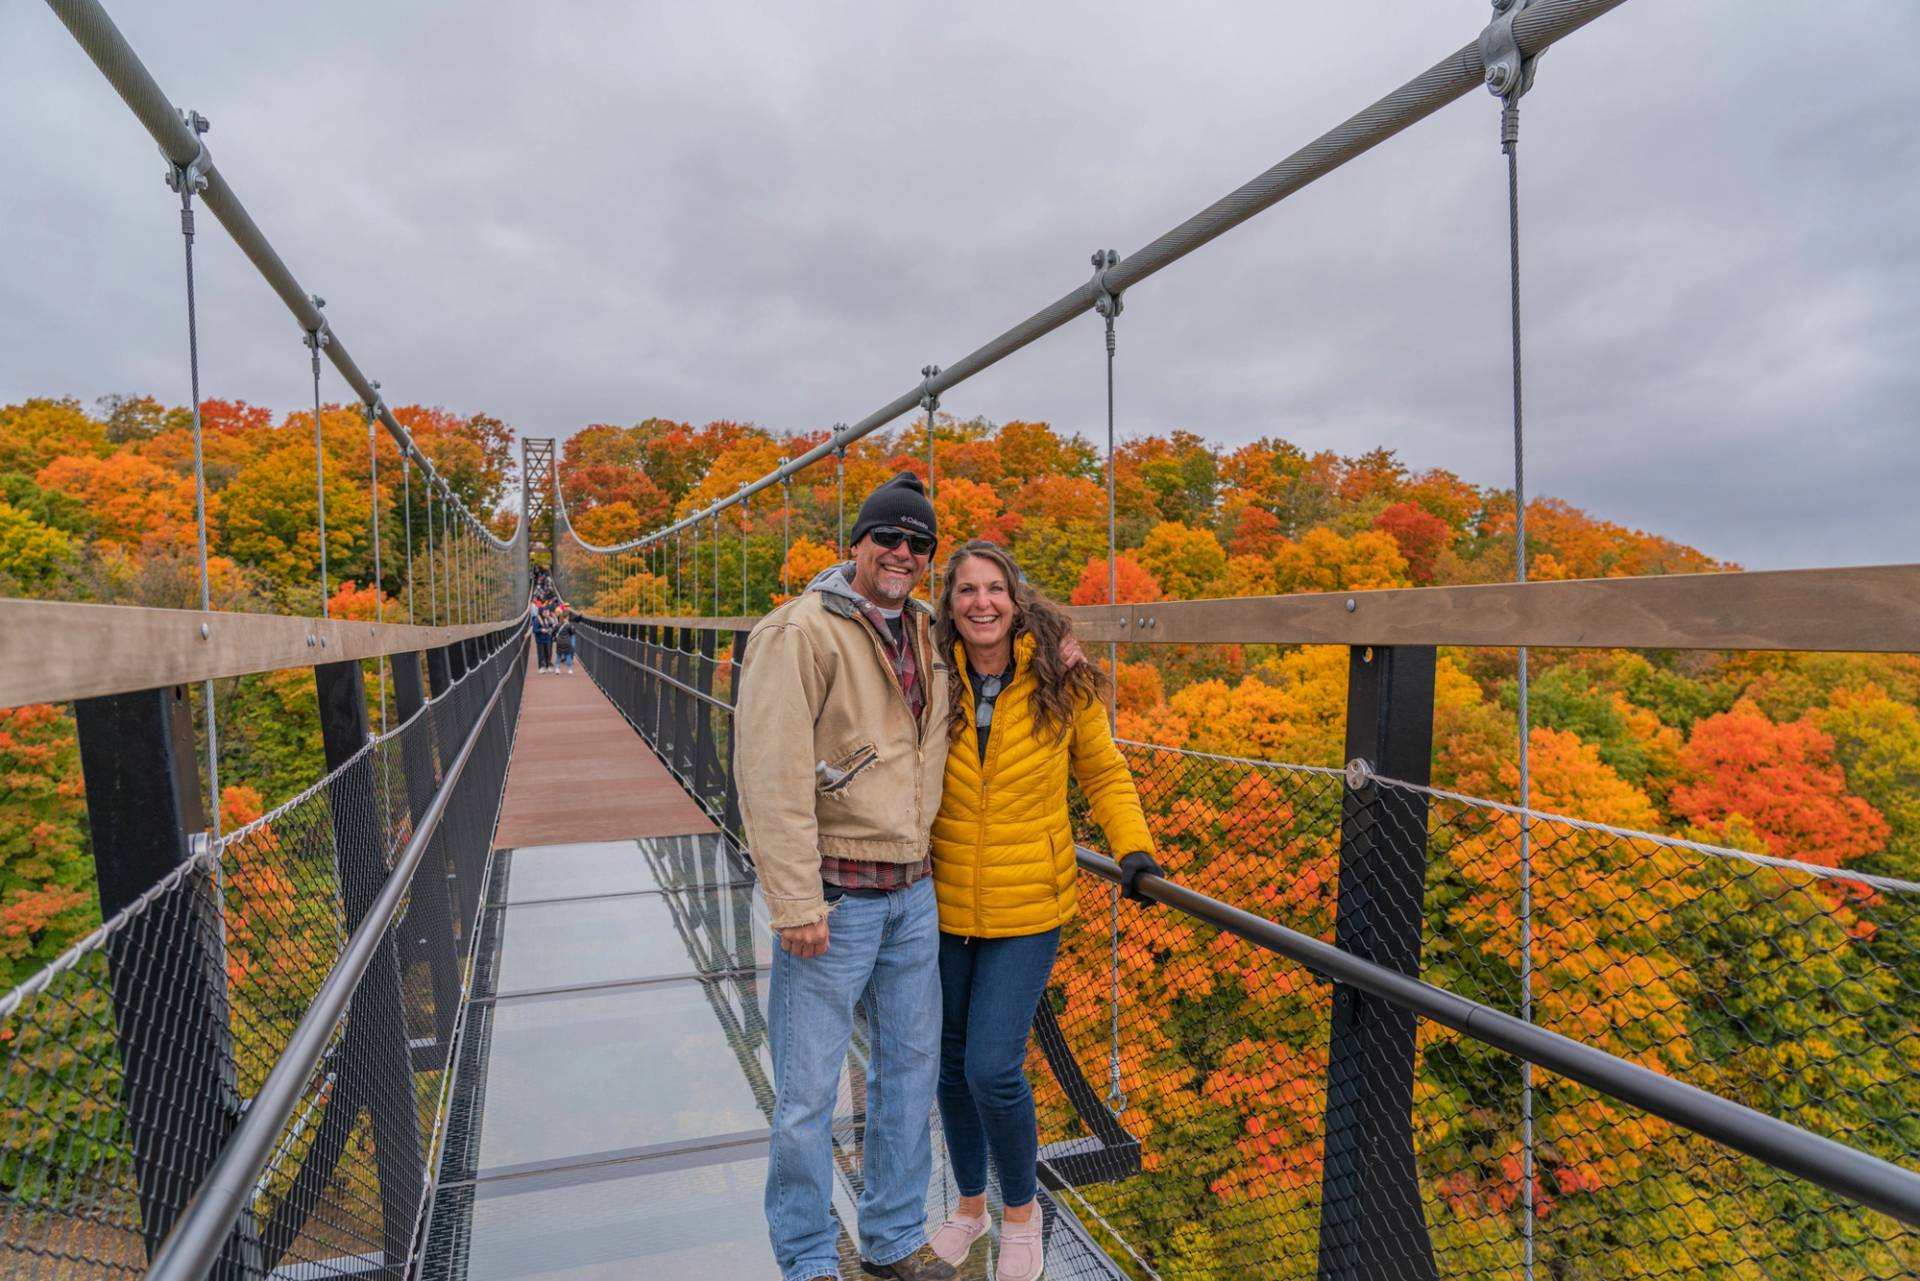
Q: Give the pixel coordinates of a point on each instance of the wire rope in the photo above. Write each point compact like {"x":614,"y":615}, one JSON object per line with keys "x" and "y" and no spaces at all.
{"x":185,"y":181}
{"x":316,"y":339}
{"x":1510,"y":144}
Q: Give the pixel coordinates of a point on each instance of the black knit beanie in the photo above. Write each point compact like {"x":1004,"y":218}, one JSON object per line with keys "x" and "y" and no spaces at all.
{"x":902,"y":501}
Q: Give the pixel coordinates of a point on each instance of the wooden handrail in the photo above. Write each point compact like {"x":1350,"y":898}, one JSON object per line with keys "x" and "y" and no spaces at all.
{"x":1875,"y":609}
{"x":55,"y":651}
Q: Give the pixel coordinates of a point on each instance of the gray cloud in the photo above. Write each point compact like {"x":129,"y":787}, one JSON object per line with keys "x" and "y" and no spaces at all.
{"x":594,"y":212}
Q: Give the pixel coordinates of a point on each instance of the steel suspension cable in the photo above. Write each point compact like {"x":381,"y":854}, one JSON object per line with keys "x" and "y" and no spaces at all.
{"x":930,"y":401}
{"x":743,"y":557}
{"x":1108,"y":306}
{"x":406,"y":472}
{"x":433,"y":576}
{"x":716,"y":562}
{"x":316,"y":339}
{"x":186,"y":181}
{"x":840,"y":496}
{"x":1509,"y":75}
{"x":379,"y":586}
{"x":786,"y":548}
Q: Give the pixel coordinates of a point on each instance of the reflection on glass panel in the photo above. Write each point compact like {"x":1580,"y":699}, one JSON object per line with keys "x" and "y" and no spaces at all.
{"x":572,"y":944}
{"x":704,"y":1222}
{"x":602,"y":1072}
{"x":621,"y":867}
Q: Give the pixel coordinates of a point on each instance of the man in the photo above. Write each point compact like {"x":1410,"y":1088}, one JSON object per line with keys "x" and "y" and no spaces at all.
{"x":841,"y":756}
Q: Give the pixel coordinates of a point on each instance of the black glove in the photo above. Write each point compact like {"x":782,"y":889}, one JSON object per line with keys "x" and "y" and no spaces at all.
{"x":1132,"y":867}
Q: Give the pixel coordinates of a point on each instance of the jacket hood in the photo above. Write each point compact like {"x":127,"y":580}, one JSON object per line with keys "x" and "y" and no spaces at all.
{"x":835,"y":583}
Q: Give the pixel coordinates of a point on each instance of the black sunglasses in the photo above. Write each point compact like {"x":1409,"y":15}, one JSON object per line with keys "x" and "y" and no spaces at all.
{"x":889,"y":537}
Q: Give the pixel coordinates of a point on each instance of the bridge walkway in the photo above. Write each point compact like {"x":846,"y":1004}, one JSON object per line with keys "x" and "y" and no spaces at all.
{"x":610,"y":1113}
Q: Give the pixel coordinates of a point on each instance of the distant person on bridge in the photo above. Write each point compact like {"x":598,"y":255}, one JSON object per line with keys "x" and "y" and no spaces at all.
{"x":542,"y":637}
{"x":841,"y":753}
{"x":1026,"y":713}
{"x":566,"y":640}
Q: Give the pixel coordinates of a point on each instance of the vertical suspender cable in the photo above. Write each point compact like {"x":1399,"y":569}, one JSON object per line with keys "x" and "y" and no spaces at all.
{"x":1510,"y":143}
{"x":316,"y":339}
{"x":1108,"y":306}
{"x":187,"y":180}
{"x":786,"y":550}
{"x":379,"y":586}
{"x":1509,"y":75}
{"x":716,"y":562}
{"x":930,"y":402}
{"x":840,"y":498}
{"x":433,"y":595}
{"x":743,"y":557}
{"x":406,"y":472}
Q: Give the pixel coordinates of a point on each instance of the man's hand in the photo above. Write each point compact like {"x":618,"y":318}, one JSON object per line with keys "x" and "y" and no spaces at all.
{"x":805,"y":940}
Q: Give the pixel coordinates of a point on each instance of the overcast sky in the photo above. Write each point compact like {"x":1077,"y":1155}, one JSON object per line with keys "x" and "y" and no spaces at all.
{"x":595,"y":212}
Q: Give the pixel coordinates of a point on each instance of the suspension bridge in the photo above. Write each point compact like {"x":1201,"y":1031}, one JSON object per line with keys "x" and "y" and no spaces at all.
{"x":487,"y":1000}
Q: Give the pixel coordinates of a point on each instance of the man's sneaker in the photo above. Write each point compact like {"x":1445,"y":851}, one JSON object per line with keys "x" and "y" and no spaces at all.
{"x":922,"y":1265}
{"x":954,"y":1239}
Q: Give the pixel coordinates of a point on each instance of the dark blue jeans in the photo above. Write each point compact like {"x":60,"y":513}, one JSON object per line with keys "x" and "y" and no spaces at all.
{"x":989,"y":991}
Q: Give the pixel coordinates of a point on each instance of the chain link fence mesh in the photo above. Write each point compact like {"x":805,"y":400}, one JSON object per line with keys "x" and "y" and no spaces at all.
{"x":126,"y":1065}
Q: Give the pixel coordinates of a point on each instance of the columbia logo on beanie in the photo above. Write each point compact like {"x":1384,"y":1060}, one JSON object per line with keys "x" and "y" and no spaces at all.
{"x":901,"y":501}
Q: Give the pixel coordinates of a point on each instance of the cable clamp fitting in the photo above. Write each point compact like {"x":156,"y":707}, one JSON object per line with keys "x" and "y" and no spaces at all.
{"x":192,"y":176}
{"x":1509,"y":73}
{"x":929,"y":398}
{"x":1105,"y":301}
{"x":322,"y":335}
{"x":1134,"y":866}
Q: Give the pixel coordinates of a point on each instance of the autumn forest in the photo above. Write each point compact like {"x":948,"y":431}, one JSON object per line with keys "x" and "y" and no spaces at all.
{"x":1734,"y":976}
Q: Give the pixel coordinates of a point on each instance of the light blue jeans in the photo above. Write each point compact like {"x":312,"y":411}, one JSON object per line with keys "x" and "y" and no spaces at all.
{"x":884,"y":951}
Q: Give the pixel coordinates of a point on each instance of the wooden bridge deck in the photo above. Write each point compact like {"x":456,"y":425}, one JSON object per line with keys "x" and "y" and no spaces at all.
{"x":581,"y":773}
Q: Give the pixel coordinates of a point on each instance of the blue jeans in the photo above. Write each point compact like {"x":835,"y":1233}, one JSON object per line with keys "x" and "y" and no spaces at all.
{"x":566,"y":659}
{"x":883,"y":950}
{"x":989,"y":991}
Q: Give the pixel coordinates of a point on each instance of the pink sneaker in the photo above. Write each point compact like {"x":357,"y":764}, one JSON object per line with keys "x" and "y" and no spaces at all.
{"x":953,"y":1239}
{"x":1021,"y":1258}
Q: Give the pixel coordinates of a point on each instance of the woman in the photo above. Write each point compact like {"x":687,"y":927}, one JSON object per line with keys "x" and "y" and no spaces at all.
{"x":1024,"y":716}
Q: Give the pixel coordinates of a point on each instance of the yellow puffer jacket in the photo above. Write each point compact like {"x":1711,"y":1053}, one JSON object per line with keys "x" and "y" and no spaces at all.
{"x":1002,"y":843}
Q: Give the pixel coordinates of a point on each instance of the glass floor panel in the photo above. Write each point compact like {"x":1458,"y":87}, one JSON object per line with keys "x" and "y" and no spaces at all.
{"x":611,"y":940}
{"x":596,"y":1074}
{"x":705,"y":1222}
{"x":620,"y":867}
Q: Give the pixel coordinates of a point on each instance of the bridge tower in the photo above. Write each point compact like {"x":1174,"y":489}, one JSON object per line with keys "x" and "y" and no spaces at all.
{"x":536,"y":493}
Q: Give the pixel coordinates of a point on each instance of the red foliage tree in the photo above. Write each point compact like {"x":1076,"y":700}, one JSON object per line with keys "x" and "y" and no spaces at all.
{"x":1131,"y":583}
{"x":1421,"y":536}
{"x":1784,"y":780}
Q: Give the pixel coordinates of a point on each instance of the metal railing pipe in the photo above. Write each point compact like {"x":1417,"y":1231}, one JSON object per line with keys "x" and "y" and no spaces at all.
{"x":97,"y":35}
{"x":195,"y":1242}
{"x":1860,"y":1176}
{"x":1539,"y":25}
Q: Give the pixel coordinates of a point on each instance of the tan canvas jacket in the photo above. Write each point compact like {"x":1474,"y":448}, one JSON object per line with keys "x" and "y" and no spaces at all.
{"x":817,"y":687}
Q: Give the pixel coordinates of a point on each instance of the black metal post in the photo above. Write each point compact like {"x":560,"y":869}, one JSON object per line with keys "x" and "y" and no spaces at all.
{"x":706,"y":760}
{"x":427,"y":930}
{"x":376,"y":1063}
{"x":682,"y":761}
{"x":1371,"y":1219}
{"x":167,"y":970}
{"x":731,"y":821}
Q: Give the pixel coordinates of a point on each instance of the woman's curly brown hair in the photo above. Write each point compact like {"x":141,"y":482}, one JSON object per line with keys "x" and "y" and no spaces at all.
{"x":1058,"y":688}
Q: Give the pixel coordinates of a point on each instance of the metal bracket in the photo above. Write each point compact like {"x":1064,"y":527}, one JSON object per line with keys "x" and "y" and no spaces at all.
{"x":1509,"y":74}
{"x":321,"y":337}
{"x":1359,"y":773}
{"x":1105,"y":301}
{"x":929,"y":399}
{"x":191,"y":176}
